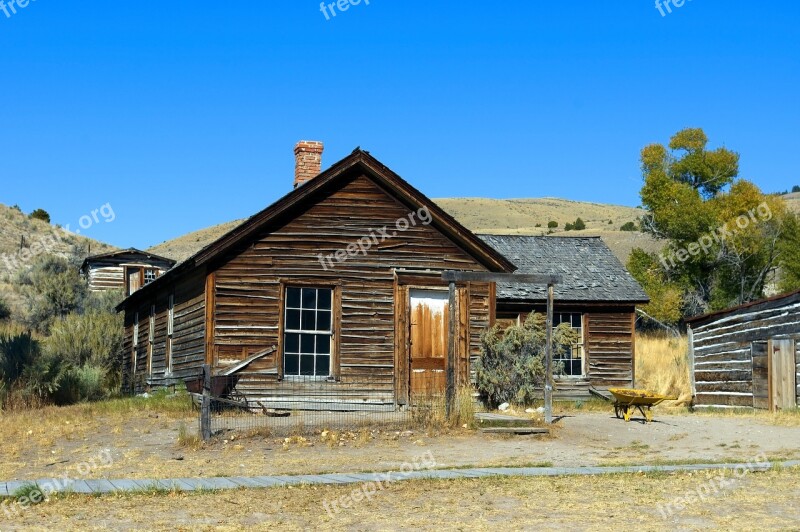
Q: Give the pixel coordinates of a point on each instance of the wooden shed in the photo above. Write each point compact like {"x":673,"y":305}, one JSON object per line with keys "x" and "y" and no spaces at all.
{"x":127,"y":269}
{"x":597,"y":298}
{"x":747,"y":356}
{"x":331,"y":294}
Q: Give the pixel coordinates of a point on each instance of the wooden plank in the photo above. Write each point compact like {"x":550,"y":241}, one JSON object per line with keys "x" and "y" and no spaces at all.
{"x":210,"y":311}
{"x":515,"y":430}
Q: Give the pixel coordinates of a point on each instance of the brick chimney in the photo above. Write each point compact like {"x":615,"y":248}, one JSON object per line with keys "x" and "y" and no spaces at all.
{"x":308,"y":161}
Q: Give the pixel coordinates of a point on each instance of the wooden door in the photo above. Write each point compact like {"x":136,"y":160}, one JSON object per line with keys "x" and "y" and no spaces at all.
{"x":782,"y":370}
{"x":759,"y":351}
{"x":429,"y":328}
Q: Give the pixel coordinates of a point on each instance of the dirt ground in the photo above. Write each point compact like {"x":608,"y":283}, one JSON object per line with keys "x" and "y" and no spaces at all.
{"x":143,"y":445}
{"x":758,"y":501}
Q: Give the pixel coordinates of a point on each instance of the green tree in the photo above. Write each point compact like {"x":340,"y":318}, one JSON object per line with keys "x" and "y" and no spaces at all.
{"x":789,"y":249}
{"x":40,"y":214}
{"x":629,"y":226}
{"x":552,"y":224}
{"x":796,"y":188}
{"x":666,"y":297}
{"x":579,"y":225}
{"x":695,"y":202}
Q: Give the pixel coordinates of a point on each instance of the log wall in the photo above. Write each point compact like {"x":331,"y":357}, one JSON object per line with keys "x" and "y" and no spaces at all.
{"x":724,"y":366}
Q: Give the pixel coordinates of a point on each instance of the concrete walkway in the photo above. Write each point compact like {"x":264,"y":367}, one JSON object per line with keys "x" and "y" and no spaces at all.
{"x":229,"y":483}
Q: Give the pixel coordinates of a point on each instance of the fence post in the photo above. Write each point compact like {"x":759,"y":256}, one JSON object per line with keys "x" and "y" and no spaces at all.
{"x":548,"y":359}
{"x":205,"y":408}
{"x":450,"y":391}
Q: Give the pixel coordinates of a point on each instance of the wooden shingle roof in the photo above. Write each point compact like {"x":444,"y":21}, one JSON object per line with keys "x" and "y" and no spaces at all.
{"x":590,"y":271}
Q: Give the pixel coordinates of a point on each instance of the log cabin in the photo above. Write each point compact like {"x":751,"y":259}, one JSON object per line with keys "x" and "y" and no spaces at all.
{"x":332,"y":293}
{"x":747,"y":356}
{"x":127,"y":269}
{"x":597,"y":298}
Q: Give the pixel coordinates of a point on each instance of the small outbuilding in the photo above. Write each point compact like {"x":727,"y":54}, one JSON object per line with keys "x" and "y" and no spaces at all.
{"x":597,"y":298}
{"x":747,"y":356}
{"x":128,"y":269}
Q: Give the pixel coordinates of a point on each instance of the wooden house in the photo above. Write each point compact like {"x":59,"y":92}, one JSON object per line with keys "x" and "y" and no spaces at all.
{"x":332,"y":293}
{"x":747,"y":356}
{"x":127,"y":269}
{"x":597,"y":298}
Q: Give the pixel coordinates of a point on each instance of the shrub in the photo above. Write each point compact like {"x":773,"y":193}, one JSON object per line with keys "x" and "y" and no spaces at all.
{"x":40,"y":214}
{"x":552,"y":224}
{"x":52,"y":288}
{"x":569,"y":227}
{"x":80,"y":384}
{"x":5,"y":311}
{"x":629,"y":226}
{"x":579,"y":225}
{"x":91,"y":340}
{"x":512,"y":367}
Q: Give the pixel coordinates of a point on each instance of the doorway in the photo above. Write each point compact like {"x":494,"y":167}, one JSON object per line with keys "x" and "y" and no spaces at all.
{"x":428,"y":337}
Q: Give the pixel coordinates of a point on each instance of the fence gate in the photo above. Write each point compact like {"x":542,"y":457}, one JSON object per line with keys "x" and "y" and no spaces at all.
{"x":782,"y":370}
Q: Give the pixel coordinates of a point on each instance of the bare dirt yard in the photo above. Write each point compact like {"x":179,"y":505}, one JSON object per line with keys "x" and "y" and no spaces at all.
{"x":143,"y":441}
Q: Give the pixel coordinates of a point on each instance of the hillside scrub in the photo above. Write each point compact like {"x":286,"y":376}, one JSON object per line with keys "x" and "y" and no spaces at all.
{"x":65,"y":346}
{"x":662,"y":365}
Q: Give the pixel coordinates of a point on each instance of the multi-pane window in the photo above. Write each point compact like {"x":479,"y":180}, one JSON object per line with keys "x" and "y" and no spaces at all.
{"x":308,"y":332}
{"x":573,"y":358}
{"x":150,"y":275}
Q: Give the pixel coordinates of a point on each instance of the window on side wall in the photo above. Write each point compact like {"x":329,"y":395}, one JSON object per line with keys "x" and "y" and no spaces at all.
{"x":573,"y":360}
{"x":308,"y":332}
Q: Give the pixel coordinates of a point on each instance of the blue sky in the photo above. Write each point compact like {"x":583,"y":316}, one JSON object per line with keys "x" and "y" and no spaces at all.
{"x":184,"y":114}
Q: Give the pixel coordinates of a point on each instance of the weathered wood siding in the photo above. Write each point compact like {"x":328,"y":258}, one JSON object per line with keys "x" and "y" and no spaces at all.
{"x":188,"y":348}
{"x":247,"y":316}
{"x":109,"y":274}
{"x":609,"y":348}
{"x":723,"y":360}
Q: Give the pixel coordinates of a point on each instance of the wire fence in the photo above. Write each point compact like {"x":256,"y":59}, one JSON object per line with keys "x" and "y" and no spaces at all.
{"x":267,"y":405}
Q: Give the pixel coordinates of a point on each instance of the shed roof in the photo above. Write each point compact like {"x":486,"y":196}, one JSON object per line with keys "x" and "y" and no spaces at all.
{"x":590,"y":271}
{"x":789,"y":298}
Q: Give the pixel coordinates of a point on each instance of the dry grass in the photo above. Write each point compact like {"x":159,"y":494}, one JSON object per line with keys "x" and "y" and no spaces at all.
{"x":602,"y":502}
{"x":662,"y":366}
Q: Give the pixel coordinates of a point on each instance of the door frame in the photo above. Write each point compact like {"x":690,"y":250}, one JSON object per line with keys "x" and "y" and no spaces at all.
{"x":404,"y":282}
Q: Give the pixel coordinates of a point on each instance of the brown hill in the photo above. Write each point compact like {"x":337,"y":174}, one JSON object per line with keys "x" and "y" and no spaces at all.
{"x":490,"y":216}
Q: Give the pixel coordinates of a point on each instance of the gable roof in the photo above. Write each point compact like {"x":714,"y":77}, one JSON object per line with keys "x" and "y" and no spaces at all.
{"x":138,"y":253}
{"x":590,"y":271}
{"x":359,"y":162}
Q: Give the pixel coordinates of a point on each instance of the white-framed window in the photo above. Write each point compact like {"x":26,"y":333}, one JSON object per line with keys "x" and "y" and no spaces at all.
{"x":170,"y":329}
{"x":308,"y":332}
{"x":573,"y":360}
{"x":150,"y":275}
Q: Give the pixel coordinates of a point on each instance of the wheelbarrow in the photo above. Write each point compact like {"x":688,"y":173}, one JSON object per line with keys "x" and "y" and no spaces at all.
{"x":627,"y":401}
